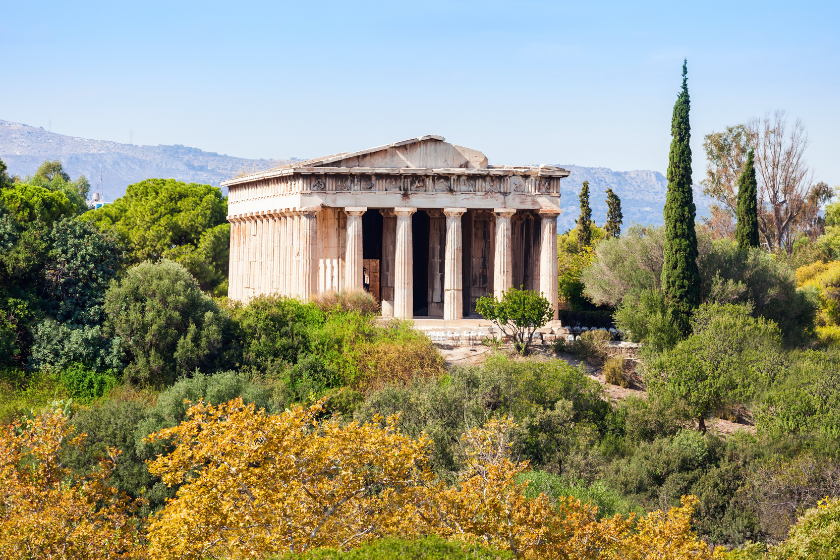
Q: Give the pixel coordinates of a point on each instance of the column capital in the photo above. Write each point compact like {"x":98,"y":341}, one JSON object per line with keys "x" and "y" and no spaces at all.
{"x":309,"y":210}
{"x":404,"y":210}
{"x":454,"y":212}
{"x":505,"y":212}
{"x":549,"y":212}
{"x":434,"y":212}
{"x":355,"y":210}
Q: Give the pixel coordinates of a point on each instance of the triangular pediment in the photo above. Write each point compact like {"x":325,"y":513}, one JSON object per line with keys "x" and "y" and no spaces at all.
{"x":424,"y":152}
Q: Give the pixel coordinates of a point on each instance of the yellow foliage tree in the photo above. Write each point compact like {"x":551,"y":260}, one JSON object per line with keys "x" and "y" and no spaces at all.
{"x":489,"y":507}
{"x":257,"y":484}
{"x":45,"y":511}
{"x":824,"y":280}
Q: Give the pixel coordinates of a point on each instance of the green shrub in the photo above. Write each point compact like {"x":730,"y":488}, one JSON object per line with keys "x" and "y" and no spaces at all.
{"x":614,"y":372}
{"x":648,"y":319}
{"x":815,"y":535}
{"x":647,"y":419}
{"x":806,"y":398}
{"x":608,"y":500}
{"x":427,"y":548}
{"x":168,"y":328}
{"x":86,"y":384}
{"x":275,"y":331}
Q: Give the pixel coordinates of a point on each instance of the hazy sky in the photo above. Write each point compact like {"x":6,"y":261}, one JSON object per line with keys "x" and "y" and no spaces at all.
{"x":589,"y":83}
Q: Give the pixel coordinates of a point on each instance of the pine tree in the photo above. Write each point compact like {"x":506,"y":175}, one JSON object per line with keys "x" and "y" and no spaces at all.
{"x":746,"y":230}
{"x":680,"y":275}
{"x":584,"y":223}
{"x":614,"y":215}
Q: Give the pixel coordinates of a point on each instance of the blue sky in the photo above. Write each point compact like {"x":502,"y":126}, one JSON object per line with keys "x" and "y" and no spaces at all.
{"x":587,"y":83}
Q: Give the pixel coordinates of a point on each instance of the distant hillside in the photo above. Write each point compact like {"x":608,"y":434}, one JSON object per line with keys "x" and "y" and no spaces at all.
{"x":24,"y":148}
{"x":642,"y":195}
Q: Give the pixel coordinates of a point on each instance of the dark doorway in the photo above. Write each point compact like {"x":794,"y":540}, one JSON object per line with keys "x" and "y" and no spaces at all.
{"x":371,"y":235}
{"x":372,"y":252}
{"x":420,"y":241}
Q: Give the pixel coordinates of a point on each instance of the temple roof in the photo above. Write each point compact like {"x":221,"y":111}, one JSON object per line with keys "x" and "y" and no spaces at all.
{"x":430,"y":152}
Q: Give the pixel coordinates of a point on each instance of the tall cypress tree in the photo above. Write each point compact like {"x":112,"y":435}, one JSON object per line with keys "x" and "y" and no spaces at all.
{"x":746,"y":230}
{"x":584,"y":222}
{"x":614,"y":215}
{"x":680,"y":275}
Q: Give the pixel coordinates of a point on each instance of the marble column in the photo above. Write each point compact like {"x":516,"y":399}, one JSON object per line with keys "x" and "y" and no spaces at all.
{"x":503,"y":259}
{"x":453,"y":296}
{"x":353,"y":278}
{"x":389,"y":247}
{"x":308,"y":259}
{"x":233,"y":269}
{"x":548,"y":256}
{"x":404,"y":265}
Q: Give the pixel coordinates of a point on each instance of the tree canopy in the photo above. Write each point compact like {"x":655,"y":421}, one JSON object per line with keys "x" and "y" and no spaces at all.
{"x":169,"y":219}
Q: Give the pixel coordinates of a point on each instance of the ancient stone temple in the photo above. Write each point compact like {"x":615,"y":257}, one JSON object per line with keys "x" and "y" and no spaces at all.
{"x":426,"y":226}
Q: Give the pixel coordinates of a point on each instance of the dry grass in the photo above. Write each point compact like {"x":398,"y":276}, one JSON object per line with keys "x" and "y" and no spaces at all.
{"x":614,"y":371}
{"x":356,"y":300}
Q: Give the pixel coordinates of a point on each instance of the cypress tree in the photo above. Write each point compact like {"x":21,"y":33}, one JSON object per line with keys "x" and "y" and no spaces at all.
{"x":584,"y":223}
{"x":680,"y":275}
{"x":746,"y":230}
{"x":614,"y":215}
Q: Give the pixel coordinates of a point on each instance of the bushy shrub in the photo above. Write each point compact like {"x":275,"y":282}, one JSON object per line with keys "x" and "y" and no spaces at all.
{"x":168,"y":328}
{"x":274,"y":332}
{"x":648,"y":319}
{"x":559,"y":409}
{"x":518,"y":313}
{"x":814,"y":535}
{"x":658,"y":473}
{"x":614,"y":372}
{"x":86,"y":384}
{"x":591,"y":346}
{"x":780,"y":488}
{"x":806,"y":397}
{"x":647,"y":419}
{"x":360,"y":301}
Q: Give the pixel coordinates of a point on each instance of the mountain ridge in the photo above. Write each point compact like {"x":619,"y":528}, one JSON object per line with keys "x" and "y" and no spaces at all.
{"x":24,"y":148}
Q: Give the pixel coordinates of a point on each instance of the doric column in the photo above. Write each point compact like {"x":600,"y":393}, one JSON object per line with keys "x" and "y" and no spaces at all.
{"x":404,"y":265}
{"x":453,"y":298}
{"x":233,"y":272}
{"x":503,"y":259}
{"x":353,"y":279}
{"x":386,"y":269}
{"x":308,"y":260}
{"x":548,"y":256}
